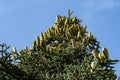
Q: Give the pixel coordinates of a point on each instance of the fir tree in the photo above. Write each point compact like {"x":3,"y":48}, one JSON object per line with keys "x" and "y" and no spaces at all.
{"x":66,"y":51}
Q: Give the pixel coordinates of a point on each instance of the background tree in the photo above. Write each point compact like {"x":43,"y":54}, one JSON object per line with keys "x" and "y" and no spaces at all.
{"x":66,"y":51}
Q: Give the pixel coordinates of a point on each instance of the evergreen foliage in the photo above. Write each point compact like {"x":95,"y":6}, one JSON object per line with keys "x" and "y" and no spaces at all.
{"x":66,"y":51}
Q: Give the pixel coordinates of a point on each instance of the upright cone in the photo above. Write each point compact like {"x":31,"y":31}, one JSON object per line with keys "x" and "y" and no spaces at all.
{"x":105,"y":53}
{"x":14,"y":50}
{"x":95,"y":55}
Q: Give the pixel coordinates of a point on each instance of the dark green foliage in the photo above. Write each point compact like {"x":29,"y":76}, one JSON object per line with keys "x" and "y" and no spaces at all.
{"x":66,"y":51}
{"x":8,"y":67}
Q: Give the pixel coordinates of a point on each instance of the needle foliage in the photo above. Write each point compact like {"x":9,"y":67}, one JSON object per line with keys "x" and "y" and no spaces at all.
{"x":66,"y":51}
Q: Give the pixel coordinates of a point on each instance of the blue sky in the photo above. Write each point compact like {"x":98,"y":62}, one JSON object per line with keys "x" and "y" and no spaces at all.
{"x":22,"y":20}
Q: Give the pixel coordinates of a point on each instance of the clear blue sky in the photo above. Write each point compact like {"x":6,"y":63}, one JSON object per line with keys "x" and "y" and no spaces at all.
{"x":22,"y":20}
